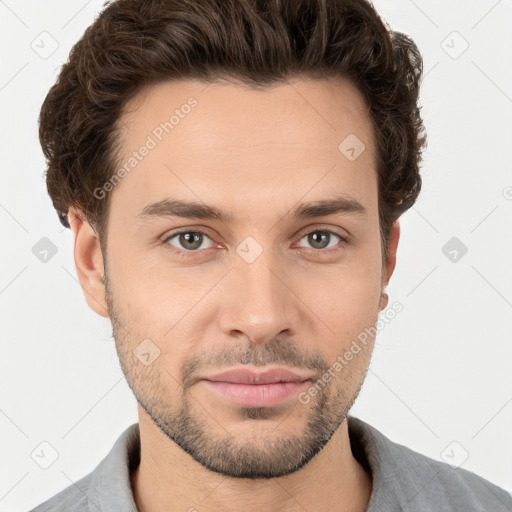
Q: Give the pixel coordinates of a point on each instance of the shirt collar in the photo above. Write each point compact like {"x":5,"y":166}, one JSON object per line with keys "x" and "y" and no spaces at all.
{"x":110,"y":485}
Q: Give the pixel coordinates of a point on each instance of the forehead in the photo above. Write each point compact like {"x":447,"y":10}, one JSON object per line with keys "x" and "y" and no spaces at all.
{"x":206,"y":140}
{"x":299,"y":111}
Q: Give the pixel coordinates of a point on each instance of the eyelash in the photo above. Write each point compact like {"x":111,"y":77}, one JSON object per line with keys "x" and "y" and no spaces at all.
{"x":186,"y":254}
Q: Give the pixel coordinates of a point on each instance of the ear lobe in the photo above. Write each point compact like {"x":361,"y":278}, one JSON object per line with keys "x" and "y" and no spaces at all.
{"x":88,"y":262}
{"x":389,"y":267}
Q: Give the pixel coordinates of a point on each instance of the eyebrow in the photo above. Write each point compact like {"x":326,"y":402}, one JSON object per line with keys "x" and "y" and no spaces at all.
{"x":193,"y":210}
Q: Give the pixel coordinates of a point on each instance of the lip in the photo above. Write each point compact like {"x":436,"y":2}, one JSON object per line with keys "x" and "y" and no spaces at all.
{"x":248,"y":388}
{"x":247,"y":376}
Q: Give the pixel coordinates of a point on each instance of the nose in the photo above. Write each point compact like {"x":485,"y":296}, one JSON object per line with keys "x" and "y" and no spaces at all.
{"x":260,"y":302}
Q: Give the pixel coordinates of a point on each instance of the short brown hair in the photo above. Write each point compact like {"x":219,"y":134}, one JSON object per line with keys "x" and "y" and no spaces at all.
{"x":136,"y":43}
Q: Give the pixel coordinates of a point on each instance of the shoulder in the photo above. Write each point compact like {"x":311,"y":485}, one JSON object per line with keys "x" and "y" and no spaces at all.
{"x":417,"y":482}
{"x":434,"y":484}
{"x":108,"y":486}
{"x":71,"y":499}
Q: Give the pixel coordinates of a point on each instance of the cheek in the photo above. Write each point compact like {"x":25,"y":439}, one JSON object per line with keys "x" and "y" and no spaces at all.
{"x":166,"y":305}
{"x":347,"y":303}
{"x":154,"y":295}
{"x":350,"y":292}
{"x":144,"y":287}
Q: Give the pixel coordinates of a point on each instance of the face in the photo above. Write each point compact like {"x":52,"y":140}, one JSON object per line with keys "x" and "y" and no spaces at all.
{"x":277,"y":267}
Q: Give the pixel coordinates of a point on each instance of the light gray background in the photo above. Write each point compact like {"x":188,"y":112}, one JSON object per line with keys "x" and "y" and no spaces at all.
{"x":440,"y":381}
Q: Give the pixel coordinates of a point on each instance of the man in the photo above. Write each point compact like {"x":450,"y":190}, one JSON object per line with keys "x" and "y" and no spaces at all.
{"x":233,"y":172}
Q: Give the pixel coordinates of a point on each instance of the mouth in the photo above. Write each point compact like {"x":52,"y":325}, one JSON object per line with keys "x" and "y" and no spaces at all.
{"x":249,"y":388}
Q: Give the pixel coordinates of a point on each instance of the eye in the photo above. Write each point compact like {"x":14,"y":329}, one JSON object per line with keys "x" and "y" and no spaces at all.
{"x":188,"y":241}
{"x":323,"y":239}
{"x":192,"y":242}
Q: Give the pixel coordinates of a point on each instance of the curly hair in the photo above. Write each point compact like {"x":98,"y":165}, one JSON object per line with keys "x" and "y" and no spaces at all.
{"x":136,"y":43}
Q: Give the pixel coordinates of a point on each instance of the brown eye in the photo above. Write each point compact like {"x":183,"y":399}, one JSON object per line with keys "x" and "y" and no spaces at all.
{"x":188,"y":240}
{"x":322,"y":239}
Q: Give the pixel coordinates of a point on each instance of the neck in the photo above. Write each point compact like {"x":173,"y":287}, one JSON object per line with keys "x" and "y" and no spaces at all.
{"x":167,"y":478}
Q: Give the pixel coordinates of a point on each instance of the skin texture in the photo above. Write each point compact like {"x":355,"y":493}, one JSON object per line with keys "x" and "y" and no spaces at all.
{"x":255,"y":155}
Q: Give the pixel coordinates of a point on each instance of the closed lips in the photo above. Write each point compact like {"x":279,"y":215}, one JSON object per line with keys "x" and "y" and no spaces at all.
{"x":245,"y":376}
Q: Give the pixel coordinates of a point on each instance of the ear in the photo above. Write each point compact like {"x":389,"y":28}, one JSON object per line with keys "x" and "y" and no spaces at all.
{"x":88,"y":262}
{"x":389,"y":267}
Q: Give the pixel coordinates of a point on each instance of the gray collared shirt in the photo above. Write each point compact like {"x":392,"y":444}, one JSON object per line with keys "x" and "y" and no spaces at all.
{"x":403,"y":480}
